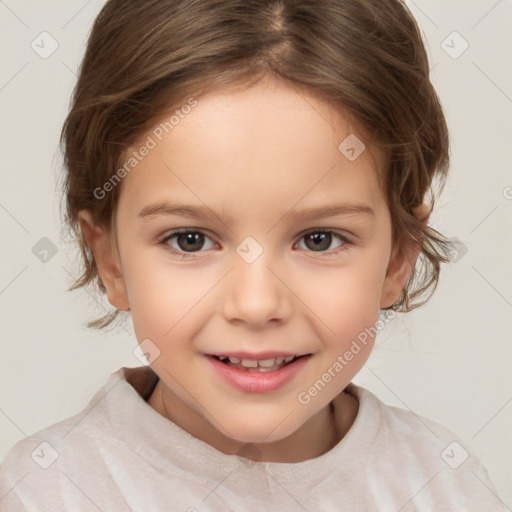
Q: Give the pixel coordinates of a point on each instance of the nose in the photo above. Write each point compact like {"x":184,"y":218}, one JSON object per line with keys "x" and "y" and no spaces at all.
{"x":256,"y":295}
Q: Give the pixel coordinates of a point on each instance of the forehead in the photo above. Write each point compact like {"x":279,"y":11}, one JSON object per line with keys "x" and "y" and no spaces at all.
{"x":264,"y":142}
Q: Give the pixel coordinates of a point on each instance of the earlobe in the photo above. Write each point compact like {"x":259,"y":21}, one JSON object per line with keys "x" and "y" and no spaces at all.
{"x":401,"y":265}
{"x":106,"y":258}
{"x":399,"y":270}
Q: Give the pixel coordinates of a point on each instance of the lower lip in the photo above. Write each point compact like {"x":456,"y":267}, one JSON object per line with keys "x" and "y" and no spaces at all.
{"x":258,"y":382}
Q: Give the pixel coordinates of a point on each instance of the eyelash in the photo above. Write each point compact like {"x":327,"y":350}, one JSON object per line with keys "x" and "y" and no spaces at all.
{"x":346,"y":242}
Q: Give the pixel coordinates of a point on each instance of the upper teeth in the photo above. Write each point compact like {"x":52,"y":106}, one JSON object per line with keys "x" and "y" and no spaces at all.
{"x":254,"y":363}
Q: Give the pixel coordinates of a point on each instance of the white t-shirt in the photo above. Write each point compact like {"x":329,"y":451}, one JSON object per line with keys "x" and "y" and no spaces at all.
{"x":120,"y":455}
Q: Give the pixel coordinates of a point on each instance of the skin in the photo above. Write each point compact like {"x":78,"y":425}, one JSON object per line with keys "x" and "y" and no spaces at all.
{"x":253,"y":154}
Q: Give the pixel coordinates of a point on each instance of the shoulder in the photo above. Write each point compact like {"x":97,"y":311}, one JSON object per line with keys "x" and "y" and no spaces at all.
{"x":400,"y":426}
{"x":409,"y":451}
{"x":403,"y":426}
{"x":33,"y":472}
{"x":43,"y":466}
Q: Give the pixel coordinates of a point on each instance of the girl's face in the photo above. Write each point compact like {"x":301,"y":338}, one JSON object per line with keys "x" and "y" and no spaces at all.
{"x":284,"y":251}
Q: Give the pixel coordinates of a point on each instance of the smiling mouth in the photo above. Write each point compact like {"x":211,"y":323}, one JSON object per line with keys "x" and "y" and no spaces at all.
{"x":260,"y":365}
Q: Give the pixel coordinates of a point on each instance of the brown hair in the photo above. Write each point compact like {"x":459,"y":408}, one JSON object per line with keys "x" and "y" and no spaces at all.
{"x":366,"y":57}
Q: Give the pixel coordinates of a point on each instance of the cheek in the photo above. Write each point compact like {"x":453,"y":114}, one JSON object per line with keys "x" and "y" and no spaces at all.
{"x":167,"y":299}
{"x":164,"y":298}
{"x":349,"y":293}
{"x":347,"y":302}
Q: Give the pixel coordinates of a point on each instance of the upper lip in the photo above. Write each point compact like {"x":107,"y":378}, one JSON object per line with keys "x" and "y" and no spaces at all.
{"x":260,"y":356}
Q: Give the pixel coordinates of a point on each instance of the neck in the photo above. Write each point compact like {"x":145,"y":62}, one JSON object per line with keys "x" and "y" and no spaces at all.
{"x":316,"y":436}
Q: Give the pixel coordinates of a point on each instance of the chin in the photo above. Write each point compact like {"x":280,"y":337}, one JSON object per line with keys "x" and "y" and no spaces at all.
{"x":251,"y":432}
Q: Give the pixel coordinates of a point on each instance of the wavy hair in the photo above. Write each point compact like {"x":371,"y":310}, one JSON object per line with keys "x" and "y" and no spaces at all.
{"x":144,"y":57}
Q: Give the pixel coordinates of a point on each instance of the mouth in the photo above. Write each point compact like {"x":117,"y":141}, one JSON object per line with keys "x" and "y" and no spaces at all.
{"x":258,"y":373}
{"x":261,"y":364}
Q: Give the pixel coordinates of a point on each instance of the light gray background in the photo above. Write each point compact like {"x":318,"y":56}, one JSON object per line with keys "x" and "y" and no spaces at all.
{"x":450,"y":360}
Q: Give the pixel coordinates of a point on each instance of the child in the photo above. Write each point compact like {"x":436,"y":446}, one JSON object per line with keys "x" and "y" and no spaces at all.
{"x":255,"y":132}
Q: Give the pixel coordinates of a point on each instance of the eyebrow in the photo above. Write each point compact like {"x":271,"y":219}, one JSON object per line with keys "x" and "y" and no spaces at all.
{"x":202,"y":212}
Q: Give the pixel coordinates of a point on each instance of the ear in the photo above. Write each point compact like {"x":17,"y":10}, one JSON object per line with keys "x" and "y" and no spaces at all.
{"x":401,"y":264}
{"x":106,"y":258}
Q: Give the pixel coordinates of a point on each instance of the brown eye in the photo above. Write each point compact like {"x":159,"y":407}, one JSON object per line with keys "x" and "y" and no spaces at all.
{"x":187,"y":241}
{"x":190,"y":242}
{"x":321,"y":241}
{"x":318,"y":241}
